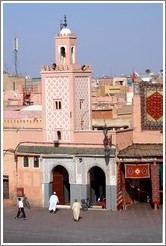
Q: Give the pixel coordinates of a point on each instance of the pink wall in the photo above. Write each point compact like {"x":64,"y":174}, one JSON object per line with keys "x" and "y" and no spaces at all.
{"x":30,"y":178}
{"x":31,"y":181}
{"x":124,"y":138}
{"x":121,"y":139}
{"x":142,"y":136}
{"x":12,"y":137}
{"x":94,"y":138}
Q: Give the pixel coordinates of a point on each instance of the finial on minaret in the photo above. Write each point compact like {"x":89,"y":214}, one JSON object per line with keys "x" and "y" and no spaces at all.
{"x":65,"y":21}
{"x":63,"y":24}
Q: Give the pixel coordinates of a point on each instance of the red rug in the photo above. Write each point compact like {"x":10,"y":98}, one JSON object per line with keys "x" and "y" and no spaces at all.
{"x":137,"y":171}
{"x":151,"y":106}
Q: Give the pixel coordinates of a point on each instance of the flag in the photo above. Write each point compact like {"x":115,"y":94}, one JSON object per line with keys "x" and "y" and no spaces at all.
{"x":133,"y":77}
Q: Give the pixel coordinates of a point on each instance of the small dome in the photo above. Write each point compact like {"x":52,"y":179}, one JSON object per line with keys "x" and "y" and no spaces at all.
{"x":34,"y":107}
{"x":65,"y":31}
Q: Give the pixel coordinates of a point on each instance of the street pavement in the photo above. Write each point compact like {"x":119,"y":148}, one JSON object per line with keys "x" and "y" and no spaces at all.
{"x":138,"y":223}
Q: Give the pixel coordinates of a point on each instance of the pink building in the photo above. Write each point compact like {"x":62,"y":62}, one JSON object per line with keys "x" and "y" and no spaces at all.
{"x":56,"y":149}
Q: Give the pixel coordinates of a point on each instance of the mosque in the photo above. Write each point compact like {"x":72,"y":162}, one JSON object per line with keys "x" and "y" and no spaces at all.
{"x":78,"y":162}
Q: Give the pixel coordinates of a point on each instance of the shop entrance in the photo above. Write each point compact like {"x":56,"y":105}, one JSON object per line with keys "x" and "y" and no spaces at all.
{"x":136,"y":183}
{"x":139,"y":189}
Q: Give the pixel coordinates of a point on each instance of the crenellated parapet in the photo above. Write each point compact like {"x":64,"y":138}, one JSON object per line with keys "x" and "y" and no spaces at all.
{"x":64,"y":67}
{"x":65,"y":32}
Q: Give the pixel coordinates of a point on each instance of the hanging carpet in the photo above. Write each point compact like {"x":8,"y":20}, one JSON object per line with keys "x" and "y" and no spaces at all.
{"x":137,"y":171}
{"x":155,"y":183}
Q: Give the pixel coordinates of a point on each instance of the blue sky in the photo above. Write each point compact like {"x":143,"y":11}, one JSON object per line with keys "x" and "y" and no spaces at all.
{"x":114,"y":38}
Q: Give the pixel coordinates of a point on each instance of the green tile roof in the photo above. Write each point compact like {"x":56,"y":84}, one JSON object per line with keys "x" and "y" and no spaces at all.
{"x":62,"y":150}
{"x":142,"y":150}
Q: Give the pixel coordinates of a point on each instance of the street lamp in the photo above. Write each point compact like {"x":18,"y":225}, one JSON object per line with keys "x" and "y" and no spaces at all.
{"x":107,"y":144}
{"x":105,"y":130}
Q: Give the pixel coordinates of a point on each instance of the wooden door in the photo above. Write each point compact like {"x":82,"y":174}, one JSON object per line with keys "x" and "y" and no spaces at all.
{"x":58,"y":186}
{"x":5,"y":189}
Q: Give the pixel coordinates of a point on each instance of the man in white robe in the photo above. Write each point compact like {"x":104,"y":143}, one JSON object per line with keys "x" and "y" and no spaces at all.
{"x":76,"y":210}
{"x":53,"y":202}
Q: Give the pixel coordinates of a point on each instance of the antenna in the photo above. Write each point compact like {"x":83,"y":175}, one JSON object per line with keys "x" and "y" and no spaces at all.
{"x":15,"y":50}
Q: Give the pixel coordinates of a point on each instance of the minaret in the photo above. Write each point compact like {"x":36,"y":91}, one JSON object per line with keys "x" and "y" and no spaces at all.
{"x":66,"y":91}
{"x":65,"y":43}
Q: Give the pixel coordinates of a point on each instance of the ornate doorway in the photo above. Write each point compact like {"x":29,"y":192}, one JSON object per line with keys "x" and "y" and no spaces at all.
{"x":97,"y":183}
{"x":61,"y":185}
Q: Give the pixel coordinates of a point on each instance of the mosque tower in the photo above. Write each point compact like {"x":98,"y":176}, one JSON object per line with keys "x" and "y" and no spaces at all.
{"x":66,"y":91}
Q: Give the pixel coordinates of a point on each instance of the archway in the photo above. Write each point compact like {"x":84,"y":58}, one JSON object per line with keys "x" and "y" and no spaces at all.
{"x":61,"y":185}
{"x":62,"y":54}
{"x":97,"y":183}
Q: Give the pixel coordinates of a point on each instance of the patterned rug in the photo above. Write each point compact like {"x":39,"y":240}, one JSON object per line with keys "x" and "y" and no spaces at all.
{"x":151,"y":106}
{"x":155,"y":183}
{"x":137,"y":171}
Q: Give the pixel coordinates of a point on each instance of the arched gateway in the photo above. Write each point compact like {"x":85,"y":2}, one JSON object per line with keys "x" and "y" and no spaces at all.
{"x":97,"y":183}
{"x":74,"y":177}
{"x":56,"y":176}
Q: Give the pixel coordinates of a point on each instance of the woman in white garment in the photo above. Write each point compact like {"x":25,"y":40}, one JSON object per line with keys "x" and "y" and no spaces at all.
{"x":76,"y":210}
{"x":53,"y":202}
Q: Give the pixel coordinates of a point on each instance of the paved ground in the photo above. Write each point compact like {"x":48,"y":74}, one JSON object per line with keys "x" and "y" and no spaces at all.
{"x":137,"y":224}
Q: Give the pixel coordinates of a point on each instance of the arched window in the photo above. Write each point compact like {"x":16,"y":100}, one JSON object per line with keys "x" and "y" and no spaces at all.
{"x":57,"y":104}
{"x":62,"y":54}
{"x":72,"y":54}
{"x":58,"y":135}
{"x":36,"y":161}
{"x":26,"y":161}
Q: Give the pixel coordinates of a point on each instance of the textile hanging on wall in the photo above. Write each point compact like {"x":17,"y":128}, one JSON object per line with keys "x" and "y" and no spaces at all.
{"x":155,"y":183}
{"x":151,"y":106}
{"x":127,"y":200}
{"x":119,"y":190}
{"x":137,"y":171}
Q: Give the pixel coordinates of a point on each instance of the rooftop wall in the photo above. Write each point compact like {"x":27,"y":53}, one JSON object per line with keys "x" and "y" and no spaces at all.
{"x":139,"y":135}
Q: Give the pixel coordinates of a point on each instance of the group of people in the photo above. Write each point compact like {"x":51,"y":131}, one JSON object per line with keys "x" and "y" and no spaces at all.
{"x":53,"y":201}
{"x":76,"y":207}
{"x":53,"y":205}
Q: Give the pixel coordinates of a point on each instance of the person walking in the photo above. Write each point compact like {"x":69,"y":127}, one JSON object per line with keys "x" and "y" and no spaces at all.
{"x":53,"y":202}
{"x":20,"y":209}
{"x":76,"y":210}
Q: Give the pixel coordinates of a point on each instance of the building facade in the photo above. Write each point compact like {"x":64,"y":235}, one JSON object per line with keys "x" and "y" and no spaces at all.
{"x":64,"y":154}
